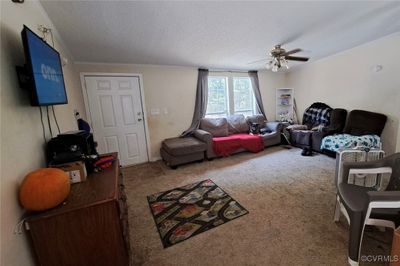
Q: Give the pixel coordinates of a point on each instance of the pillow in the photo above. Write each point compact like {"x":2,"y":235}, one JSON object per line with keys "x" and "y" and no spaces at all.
{"x":237,"y":124}
{"x":217,"y":127}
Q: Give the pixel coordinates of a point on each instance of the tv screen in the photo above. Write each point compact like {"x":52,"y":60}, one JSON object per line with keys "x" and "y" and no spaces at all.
{"x":44,"y":69}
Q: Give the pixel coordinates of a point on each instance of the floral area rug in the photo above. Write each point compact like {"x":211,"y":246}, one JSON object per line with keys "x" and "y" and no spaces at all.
{"x":186,"y":211}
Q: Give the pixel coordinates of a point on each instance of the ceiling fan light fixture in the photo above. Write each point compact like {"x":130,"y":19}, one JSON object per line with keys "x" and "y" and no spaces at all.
{"x":277,"y":63}
{"x":284,"y":63}
{"x":269,"y":65}
{"x":279,"y":58}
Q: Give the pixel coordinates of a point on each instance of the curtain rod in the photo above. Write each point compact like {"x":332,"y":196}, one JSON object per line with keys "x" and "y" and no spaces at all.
{"x":230,"y":71}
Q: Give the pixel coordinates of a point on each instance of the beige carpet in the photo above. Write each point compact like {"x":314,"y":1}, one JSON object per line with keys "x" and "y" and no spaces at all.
{"x":290,"y":199}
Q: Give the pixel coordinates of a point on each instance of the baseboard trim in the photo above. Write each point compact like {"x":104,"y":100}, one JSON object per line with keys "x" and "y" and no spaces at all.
{"x":153,"y":159}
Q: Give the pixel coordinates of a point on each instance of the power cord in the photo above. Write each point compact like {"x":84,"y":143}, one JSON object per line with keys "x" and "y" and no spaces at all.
{"x":43,"y":129}
{"x":45,"y":32}
{"x":18,"y":229}
{"x":48,"y":121}
{"x":55,"y":119}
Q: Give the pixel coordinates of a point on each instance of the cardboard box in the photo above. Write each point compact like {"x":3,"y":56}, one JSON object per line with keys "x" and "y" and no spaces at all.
{"x":76,"y":171}
{"x":395,"y":259}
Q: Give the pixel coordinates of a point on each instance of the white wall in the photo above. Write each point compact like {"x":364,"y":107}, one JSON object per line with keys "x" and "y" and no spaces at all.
{"x":269,"y":82}
{"x":346,"y":80}
{"x":398,"y":140}
{"x":22,"y":144}
{"x":174,"y":89}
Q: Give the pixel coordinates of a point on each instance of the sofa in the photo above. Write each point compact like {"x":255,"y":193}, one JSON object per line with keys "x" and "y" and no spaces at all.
{"x":319,"y":121}
{"x":362,"y":130}
{"x":227,"y":129}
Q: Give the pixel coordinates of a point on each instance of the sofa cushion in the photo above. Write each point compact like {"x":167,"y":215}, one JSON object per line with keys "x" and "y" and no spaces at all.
{"x":218,"y":127}
{"x":183,"y":146}
{"x":338,"y":120}
{"x":362,"y":122}
{"x":237,"y":124}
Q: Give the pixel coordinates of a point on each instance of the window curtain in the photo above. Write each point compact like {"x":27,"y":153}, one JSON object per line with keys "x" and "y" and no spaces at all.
{"x":256,"y":89}
{"x":200,"y":103}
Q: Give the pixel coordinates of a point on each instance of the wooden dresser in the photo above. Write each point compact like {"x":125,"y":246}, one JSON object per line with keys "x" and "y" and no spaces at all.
{"x":90,"y":228}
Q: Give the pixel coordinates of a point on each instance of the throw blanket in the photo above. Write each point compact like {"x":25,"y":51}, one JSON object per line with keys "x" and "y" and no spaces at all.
{"x":345,"y":141}
{"x":225,"y":146}
{"x":317,"y":114}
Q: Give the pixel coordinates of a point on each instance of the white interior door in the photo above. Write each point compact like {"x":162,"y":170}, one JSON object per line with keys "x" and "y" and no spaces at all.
{"x":116,"y":113}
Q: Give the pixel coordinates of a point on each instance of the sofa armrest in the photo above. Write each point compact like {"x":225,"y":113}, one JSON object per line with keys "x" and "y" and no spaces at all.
{"x":207,"y":138}
{"x":330,"y":130}
{"x":203,"y":135}
{"x":274,"y":126}
{"x":316,"y":139}
{"x":297,"y":127}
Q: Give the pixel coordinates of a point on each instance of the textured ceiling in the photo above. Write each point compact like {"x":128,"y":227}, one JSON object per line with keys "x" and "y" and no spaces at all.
{"x":225,"y":35}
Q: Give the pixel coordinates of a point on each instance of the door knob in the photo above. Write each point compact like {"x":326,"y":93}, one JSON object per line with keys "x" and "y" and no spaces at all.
{"x":139,"y":119}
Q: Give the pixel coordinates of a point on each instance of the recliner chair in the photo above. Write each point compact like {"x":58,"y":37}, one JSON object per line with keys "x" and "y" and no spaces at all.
{"x":319,"y":120}
{"x":359,"y":123}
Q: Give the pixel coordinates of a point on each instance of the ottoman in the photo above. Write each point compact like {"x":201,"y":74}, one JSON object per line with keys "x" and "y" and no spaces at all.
{"x":177,"y":151}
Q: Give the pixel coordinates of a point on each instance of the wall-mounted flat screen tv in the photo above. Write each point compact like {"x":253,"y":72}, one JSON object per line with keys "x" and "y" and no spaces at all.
{"x":43,"y":66}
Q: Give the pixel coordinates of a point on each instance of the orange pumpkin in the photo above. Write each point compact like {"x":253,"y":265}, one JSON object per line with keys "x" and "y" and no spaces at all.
{"x":44,"y":189}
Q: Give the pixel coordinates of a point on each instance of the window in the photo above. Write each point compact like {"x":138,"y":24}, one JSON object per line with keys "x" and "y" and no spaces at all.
{"x":217,"y":105}
{"x":230,"y":95}
{"x":243,"y":97}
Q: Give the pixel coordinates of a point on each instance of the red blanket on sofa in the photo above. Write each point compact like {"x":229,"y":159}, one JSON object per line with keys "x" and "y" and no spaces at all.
{"x":224,"y":146}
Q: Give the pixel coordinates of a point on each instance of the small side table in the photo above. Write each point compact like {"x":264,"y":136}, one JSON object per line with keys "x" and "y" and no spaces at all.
{"x":396,"y":244}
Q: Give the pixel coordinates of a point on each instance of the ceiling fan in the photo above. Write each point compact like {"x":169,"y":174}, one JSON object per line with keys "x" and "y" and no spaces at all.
{"x":279,"y":57}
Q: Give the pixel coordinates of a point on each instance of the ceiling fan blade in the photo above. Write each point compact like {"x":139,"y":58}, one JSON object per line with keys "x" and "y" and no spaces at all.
{"x":292,"y":51}
{"x":296,"y":58}
{"x":258,"y":61}
{"x":289,"y":39}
